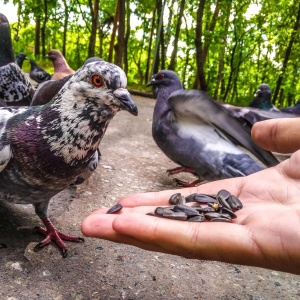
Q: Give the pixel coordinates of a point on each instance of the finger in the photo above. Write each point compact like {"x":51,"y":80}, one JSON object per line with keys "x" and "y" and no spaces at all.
{"x":212,"y":241}
{"x":100,"y":226}
{"x":162,"y":198}
{"x":279,"y":135}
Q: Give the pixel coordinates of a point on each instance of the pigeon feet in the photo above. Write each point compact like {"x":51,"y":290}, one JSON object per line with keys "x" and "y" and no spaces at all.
{"x":187,"y":184}
{"x":57,"y":236}
{"x":179,"y":170}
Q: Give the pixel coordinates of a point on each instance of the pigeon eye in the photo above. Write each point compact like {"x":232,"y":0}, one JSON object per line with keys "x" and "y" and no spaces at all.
{"x":162,"y":76}
{"x":97,"y":80}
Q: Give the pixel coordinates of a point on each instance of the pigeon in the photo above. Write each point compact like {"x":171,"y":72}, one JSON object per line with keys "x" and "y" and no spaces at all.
{"x":295,"y":109}
{"x":37,"y":73}
{"x":15,"y":87}
{"x":47,"y":90}
{"x":44,"y":148}
{"x":61,"y":67}
{"x":200,"y":134}
{"x":90,"y":169}
{"x":262,"y":98}
{"x":253,"y":115}
{"x":20,"y":59}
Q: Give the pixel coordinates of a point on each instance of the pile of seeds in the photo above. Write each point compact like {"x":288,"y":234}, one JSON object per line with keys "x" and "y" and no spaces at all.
{"x":220,"y":207}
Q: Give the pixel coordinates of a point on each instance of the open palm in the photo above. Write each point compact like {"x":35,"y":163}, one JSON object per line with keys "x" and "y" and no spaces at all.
{"x":266,"y":232}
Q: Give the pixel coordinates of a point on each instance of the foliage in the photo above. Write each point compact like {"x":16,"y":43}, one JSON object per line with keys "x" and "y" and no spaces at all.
{"x":246,"y":46}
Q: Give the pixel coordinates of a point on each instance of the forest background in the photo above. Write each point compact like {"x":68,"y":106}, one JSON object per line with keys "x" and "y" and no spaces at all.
{"x":227,"y":48}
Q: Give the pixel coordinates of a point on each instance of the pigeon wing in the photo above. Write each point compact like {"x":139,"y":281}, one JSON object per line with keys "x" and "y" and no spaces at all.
{"x":197,"y":105}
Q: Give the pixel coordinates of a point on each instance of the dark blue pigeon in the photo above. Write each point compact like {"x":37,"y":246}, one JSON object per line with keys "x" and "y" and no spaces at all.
{"x":262,"y":98}
{"x":200,"y":134}
{"x":295,"y":109}
{"x":37,"y":73}
{"x":43,"y":149}
{"x":20,"y":59}
{"x":15,"y":87}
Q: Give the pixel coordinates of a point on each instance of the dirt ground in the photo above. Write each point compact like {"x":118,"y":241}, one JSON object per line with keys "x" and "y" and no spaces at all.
{"x":99,"y":269}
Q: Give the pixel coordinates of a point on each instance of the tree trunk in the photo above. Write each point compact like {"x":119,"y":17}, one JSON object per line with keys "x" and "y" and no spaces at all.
{"x":287,"y":56}
{"x":160,"y":11}
{"x":175,"y":46}
{"x":147,"y":75}
{"x":199,"y":48}
{"x":211,"y":29}
{"x":113,"y":35}
{"x":120,"y":47}
{"x":94,"y":8}
{"x":43,"y":28}
{"x":167,"y":28}
{"x":127,"y":36}
{"x":37,"y":36}
{"x":66,"y":18}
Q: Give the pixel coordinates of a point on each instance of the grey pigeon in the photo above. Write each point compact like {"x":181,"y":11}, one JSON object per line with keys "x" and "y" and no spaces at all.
{"x":200,"y":134}
{"x":262,"y":98}
{"x":253,"y":115}
{"x":37,"y":73}
{"x":44,"y":148}
{"x":295,"y":109}
{"x":20,"y":59}
{"x":61,"y":67}
{"x":15,"y":87}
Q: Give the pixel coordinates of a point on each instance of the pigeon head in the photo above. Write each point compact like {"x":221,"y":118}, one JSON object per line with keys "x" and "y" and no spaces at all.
{"x":263,"y":89}
{"x":6,"y":50}
{"x":32,"y":62}
{"x":54,"y":54}
{"x":20,"y":59}
{"x":92,"y":59}
{"x":165,"y":79}
{"x":97,"y":85}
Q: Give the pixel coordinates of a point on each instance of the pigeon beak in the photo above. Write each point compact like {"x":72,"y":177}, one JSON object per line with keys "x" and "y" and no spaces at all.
{"x":257,"y":92}
{"x":126,"y":101}
{"x":151,"y":82}
{"x":46,"y":56}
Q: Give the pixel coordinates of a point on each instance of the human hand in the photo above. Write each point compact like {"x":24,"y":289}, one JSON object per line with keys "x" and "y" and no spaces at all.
{"x":264,"y":234}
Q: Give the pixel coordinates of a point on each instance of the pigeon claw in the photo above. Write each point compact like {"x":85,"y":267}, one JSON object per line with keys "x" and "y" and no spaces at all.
{"x":52,"y":234}
{"x":179,"y":170}
{"x":2,"y":245}
{"x":187,"y":184}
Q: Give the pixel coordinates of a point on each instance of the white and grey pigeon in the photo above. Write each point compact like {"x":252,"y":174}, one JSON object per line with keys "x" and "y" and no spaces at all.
{"x":44,"y":148}
{"x":262,"y":98}
{"x":15,"y":87}
{"x":201,"y":135}
{"x":44,"y":93}
{"x":37,"y":73}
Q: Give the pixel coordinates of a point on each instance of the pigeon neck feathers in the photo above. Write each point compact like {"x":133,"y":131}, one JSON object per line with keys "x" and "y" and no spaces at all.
{"x":164,"y":84}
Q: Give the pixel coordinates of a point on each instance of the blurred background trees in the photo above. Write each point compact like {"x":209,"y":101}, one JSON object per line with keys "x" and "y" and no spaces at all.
{"x":225,"y":47}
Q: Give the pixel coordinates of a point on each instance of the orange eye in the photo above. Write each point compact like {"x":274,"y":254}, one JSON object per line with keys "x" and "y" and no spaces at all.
{"x":162,"y":76}
{"x":97,"y":80}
